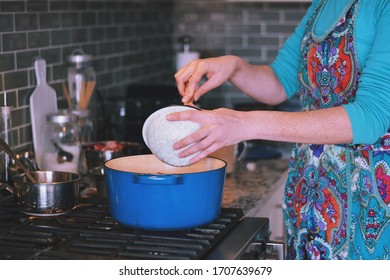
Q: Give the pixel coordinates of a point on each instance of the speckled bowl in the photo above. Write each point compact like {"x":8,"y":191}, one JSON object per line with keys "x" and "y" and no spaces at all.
{"x":160,"y":134}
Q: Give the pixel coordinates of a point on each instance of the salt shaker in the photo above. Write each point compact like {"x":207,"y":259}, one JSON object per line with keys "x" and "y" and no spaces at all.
{"x":62,"y":147}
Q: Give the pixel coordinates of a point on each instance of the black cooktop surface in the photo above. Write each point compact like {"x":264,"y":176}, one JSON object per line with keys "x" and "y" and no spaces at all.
{"x":89,"y":232}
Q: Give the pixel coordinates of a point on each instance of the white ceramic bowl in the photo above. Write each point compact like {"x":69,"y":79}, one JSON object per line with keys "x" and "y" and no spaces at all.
{"x":160,"y":135}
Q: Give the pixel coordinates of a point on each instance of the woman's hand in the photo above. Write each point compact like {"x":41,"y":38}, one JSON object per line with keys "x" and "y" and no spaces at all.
{"x":216,"y":70}
{"x":219,"y":128}
{"x":258,"y":82}
{"x":224,"y":127}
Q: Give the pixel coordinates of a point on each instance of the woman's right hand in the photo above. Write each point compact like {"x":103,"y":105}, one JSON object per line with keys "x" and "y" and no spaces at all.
{"x":217,"y":71}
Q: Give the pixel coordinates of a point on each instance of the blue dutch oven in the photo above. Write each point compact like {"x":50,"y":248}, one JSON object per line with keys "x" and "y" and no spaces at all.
{"x":143,"y":192}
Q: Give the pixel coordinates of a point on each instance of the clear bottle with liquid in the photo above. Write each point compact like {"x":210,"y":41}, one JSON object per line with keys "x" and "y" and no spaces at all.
{"x":6,"y":134}
{"x":85,"y":128}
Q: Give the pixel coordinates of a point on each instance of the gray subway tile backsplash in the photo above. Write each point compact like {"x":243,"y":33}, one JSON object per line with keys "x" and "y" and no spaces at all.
{"x":132,"y":41}
{"x":26,"y":21}
{"x":37,"y":6}
{"x":12,"y":6}
{"x":58,"y":5}
{"x":7,"y":23}
{"x":49,"y":20}
{"x":17,"y":79}
{"x":7,"y":62}
{"x":14,"y":41}
{"x":38,"y":39}
{"x":24,"y":58}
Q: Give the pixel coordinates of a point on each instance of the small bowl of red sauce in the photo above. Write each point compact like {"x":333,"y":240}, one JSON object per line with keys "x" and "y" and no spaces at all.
{"x":94,"y":154}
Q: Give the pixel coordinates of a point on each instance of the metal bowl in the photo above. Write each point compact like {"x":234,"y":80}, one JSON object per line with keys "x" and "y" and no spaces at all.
{"x":55,"y":192}
{"x":99,"y":181}
{"x":92,"y":155}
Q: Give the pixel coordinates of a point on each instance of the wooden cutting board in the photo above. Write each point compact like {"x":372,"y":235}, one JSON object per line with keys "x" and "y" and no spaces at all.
{"x":43,"y":101}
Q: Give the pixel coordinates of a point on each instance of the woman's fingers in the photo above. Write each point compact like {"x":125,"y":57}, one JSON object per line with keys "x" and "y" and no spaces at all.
{"x":187,"y":80}
{"x":218,"y":128}
{"x":192,"y":141}
{"x":204,"y":153}
{"x":204,"y":139}
{"x":203,"y":147}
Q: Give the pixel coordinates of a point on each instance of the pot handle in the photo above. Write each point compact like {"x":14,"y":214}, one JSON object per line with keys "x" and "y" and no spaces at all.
{"x":150,"y":179}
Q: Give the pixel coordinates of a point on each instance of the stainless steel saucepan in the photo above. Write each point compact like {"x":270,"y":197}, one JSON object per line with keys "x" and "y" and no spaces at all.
{"x":43,"y":193}
{"x":54,"y":193}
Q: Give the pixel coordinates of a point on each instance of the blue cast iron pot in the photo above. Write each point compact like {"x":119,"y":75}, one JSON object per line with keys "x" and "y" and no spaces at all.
{"x":145,"y":193}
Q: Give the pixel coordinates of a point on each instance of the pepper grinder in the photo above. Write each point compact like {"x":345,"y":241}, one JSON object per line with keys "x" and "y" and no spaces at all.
{"x":6,"y":134}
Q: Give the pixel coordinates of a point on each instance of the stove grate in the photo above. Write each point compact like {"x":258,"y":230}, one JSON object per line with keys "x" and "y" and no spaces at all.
{"x":89,"y":232}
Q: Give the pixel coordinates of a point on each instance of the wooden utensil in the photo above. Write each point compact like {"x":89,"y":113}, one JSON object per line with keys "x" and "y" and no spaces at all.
{"x":7,"y":149}
{"x":86,"y":94}
{"x":66,"y":94}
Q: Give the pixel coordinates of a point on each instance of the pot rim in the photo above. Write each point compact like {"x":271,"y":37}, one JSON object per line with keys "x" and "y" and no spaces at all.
{"x":21,"y":177}
{"x":221,"y":164}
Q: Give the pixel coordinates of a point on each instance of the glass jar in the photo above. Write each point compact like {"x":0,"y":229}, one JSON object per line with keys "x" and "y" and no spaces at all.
{"x":85,"y":125}
{"x":62,"y":147}
{"x":81,"y":79}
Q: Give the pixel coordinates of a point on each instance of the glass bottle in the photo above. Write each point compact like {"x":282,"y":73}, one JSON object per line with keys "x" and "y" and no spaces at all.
{"x":6,"y":134}
{"x":85,"y":127}
{"x":62,"y":136}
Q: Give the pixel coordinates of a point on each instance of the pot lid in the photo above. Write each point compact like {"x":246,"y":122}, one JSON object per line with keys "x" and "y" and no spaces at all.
{"x":61,"y":117}
{"x":78,"y":56}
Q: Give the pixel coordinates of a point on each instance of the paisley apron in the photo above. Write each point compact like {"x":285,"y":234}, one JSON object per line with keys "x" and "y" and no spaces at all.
{"x":337,"y":197}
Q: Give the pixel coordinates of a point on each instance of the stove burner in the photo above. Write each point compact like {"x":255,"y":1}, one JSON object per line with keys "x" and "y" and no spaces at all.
{"x":89,"y":232}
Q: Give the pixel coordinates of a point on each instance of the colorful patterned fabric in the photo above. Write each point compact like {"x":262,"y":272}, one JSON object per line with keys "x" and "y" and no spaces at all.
{"x":337,"y":197}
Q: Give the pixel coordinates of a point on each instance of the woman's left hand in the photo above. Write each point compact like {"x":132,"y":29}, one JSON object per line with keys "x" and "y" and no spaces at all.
{"x":219,"y":128}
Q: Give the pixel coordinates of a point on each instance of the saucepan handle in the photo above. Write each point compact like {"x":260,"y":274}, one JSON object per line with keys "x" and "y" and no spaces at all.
{"x":241,"y":150}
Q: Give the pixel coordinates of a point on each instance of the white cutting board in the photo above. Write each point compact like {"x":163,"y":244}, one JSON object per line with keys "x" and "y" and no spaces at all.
{"x":43,"y":101}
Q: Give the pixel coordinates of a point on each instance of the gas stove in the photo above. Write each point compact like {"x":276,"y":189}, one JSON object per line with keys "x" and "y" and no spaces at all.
{"x":90,"y":232}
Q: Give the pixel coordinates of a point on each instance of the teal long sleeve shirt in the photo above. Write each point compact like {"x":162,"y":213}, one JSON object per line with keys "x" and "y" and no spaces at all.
{"x":369,"y":113}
